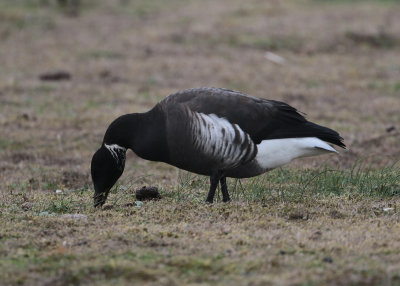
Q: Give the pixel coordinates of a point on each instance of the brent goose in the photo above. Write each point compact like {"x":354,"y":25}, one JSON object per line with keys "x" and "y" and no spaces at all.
{"x":210,"y":131}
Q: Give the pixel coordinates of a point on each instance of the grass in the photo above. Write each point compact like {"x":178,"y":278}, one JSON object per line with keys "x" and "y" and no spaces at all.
{"x":293,"y":186}
{"x":276,"y":43}
{"x":154,"y":242}
{"x":101,"y":54}
{"x":392,"y":89}
{"x":348,"y":2}
{"x":144,"y":9}
{"x":330,"y":220}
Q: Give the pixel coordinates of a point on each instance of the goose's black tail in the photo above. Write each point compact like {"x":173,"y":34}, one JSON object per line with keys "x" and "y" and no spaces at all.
{"x":296,"y":126}
{"x":288,"y":122}
{"x":326,"y":134}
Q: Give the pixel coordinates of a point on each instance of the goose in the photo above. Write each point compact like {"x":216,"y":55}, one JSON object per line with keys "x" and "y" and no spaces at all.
{"x":210,"y":131}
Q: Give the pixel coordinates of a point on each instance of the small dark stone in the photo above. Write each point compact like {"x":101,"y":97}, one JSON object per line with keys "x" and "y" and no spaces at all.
{"x":327,"y":259}
{"x":390,"y":129}
{"x":55,"y":76}
{"x":336,"y":214}
{"x":25,"y":116}
{"x":80,"y":243}
{"x":298,"y":215}
{"x":282,"y":252}
{"x":295,"y":216}
{"x":105,"y":74}
{"x":148,"y":51}
{"x":147,"y":194}
{"x":108,"y":77}
{"x":316,"y":235}
{"x":26,"y":206}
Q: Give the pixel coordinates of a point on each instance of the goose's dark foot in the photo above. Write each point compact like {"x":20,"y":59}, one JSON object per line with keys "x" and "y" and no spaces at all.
{"x":224,"y":188}
{"x":209,"y":201}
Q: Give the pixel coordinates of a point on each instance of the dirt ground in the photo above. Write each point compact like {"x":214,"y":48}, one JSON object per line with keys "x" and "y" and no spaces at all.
{"x":341,"y":66}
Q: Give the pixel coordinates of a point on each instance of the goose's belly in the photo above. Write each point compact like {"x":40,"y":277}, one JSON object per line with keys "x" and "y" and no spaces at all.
{"x":278,"y":152}
{"x":200,"y":166}
{"x":248,"y":170}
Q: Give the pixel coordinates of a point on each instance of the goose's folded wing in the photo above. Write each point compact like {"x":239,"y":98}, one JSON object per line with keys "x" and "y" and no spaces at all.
{"x":199,"y":141}
{"x":262,"y":119}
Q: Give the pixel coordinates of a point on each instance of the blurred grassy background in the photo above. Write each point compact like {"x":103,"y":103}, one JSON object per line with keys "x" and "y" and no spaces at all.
{"x":339,"y":63}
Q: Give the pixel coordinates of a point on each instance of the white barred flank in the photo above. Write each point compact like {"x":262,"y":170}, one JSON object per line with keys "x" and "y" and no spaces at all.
{"x":222,"y":140}
{"x":118,"y":153}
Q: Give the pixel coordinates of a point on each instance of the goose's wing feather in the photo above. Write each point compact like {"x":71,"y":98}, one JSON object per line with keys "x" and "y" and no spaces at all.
{"x":262,"y":119}
{"x":203,"y":143}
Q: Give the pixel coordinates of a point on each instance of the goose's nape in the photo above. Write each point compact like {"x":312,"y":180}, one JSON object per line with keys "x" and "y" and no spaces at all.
{"x":105,"y":171}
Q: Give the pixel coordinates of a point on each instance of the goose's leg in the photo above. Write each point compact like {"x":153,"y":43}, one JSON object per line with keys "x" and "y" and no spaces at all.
{"x":213,"y":186}
{"x":214,"y":180}
{"x":224,"y":188}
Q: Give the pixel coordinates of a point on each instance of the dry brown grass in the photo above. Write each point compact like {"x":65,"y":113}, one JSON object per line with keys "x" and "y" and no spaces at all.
{"x":342,"y":69}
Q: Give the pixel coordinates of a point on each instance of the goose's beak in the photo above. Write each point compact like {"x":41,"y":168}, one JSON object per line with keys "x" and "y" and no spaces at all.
{"x":99,"y":198}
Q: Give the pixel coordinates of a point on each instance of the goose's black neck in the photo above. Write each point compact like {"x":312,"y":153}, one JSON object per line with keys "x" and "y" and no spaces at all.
{"x":144,"y":133}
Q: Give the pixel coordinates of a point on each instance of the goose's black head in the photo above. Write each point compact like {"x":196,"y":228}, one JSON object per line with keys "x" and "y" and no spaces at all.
{"x":107,"y":166}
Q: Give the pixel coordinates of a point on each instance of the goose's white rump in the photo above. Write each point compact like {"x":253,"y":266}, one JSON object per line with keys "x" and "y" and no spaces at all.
{"x":277,"y":152}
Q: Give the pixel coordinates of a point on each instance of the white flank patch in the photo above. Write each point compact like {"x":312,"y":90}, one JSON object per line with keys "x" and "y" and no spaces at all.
{"x":277,"y":152}
{"x":220,"y":139}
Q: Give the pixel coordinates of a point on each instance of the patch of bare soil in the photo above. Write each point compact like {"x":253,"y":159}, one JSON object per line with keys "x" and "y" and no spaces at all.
{"x":59,"y":160}
{"x":74,"y":179}
{"x":18,"y":157}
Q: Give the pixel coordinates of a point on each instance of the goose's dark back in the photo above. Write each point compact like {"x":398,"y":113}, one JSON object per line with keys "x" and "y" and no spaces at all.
{"x":261,"y":118}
